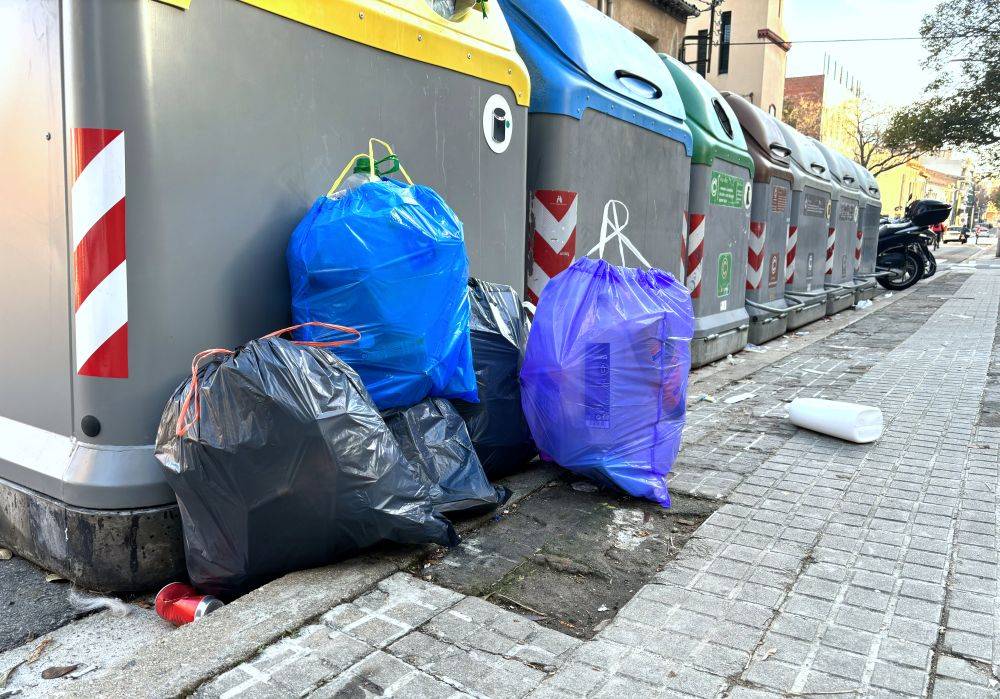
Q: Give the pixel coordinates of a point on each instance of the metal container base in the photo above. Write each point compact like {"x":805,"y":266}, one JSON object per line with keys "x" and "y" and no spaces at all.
{"x":863,"y":293}
{"x":104,"y":550}
{"x":705,"y":350}
{"x":765,"y":327}
{"x":803,"y":315}
{"x":839,"y":300}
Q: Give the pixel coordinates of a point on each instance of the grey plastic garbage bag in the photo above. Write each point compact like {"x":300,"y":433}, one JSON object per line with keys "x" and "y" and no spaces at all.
{"x":498,"y":328}
{"x":433,"y":437}
{"x":280,"y":461}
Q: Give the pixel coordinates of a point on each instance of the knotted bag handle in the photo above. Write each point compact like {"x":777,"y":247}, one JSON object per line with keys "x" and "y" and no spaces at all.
{"x":181,"y":428}
{"x":611,"y":221}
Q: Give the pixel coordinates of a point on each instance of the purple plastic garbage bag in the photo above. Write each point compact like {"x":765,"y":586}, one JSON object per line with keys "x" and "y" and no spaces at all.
{"x":604,"y":380}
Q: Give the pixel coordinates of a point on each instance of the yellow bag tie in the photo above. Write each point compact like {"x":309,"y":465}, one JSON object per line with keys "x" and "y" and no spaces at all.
{"x":371,"y":164}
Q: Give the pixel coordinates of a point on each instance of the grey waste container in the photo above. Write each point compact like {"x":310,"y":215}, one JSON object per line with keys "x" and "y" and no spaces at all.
{"x":807,"y":230}
{"x":770,"y":214}
{"x":605,"y":123}
{"x":223,"y":122}
{"x":842,"y":231}
{"x":870,"y":217}
{"x":718,"y":218}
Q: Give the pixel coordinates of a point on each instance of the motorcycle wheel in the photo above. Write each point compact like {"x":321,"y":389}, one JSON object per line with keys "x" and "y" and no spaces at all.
{"x":930,"y":264}
{"x":907,"y":266}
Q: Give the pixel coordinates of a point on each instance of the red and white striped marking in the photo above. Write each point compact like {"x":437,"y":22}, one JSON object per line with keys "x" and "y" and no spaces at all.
{"x":695,"y":253}
{"x":755,"y":255}
{"x":857,"y":250}
{"x":793,"y":240}
{"x":553,"y":215}
{"x":831,"y":243}
{"x":100,"y":295}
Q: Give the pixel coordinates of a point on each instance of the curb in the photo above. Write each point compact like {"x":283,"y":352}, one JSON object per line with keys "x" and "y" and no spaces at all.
{"x":178,"y":663}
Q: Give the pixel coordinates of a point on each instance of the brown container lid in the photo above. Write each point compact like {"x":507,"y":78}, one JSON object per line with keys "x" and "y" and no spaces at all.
{"x":765,"y":141}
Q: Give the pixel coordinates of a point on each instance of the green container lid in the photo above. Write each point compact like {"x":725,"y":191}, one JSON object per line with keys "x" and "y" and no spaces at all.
{"x":716,"y":130}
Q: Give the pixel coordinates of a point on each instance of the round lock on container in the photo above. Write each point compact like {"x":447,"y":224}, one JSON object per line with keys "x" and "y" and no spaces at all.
{"x":807,"y":229}
{"x":498,"y":123}
{"x":209,"y":213}
{"x":605,"y":123}
{"x":869,"y":216}
{"x":843,"y":243}
{"x":718,"y":216}
{"x":770,"y":216}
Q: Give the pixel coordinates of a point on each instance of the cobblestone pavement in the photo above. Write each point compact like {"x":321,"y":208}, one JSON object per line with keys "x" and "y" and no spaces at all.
{"x":833,"y":569}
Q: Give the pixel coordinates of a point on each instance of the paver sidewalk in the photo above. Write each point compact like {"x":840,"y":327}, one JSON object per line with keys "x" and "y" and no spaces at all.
{"x":863,"y":569}
{"x":868,"y":570}
{"x":832,"y":568}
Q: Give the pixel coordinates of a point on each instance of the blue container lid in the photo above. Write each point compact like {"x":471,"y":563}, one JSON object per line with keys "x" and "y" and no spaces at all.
{"x":579,"y":59}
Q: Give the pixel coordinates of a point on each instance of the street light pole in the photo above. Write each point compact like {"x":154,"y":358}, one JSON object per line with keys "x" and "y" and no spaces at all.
{"x":711,"y":37}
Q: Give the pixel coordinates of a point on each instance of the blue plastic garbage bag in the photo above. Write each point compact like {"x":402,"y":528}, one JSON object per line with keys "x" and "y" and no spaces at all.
{"x":388,"y":259}
{"x":604,"y":380}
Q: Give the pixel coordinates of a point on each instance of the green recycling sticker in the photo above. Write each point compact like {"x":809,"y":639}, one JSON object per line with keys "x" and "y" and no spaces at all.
{"x":727,"y":190}
{"x":725,"y":274}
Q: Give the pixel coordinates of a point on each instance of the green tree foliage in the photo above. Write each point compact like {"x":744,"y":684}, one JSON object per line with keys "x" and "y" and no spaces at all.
{"x":962,"y":108}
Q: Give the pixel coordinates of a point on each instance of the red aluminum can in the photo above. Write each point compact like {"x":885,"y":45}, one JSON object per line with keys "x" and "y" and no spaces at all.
{"x":180,"y":604}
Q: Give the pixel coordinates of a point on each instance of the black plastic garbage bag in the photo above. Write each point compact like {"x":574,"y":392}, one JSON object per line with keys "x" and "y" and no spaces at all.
{"x":282,"y":463}
{"x":499,"y":331}
{"x":434,"y":439}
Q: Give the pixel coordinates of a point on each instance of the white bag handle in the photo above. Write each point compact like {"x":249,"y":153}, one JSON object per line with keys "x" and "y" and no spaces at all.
{"x":612,"y":221}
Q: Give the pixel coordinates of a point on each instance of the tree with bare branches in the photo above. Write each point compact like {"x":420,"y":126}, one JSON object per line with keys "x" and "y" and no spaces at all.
{"x":878,"y":142}
{"x":804,"y":115}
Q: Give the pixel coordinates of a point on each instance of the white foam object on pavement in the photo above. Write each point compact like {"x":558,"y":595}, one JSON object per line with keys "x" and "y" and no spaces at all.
{"x":850,"y":421}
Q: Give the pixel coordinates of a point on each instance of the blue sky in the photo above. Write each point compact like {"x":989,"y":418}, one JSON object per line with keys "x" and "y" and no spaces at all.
{"x":889,"y":71}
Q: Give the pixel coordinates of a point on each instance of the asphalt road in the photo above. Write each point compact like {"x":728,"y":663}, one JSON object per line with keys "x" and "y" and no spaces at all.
{"x":29,"y":606}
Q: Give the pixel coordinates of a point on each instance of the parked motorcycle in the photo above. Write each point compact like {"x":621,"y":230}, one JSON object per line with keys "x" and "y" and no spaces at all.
{"x":904,"y":246}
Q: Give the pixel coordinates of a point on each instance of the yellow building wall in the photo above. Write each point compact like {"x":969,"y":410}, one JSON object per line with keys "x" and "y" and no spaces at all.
{"x":838,"y":122}
{"x":899,"y":185}
{"x":992,"y":215}
{"x":945,"y":193}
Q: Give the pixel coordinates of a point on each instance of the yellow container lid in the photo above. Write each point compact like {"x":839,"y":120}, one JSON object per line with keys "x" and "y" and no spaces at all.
{"x":469,"y":43}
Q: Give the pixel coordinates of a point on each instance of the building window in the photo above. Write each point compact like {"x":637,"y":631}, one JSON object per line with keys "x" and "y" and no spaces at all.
{"x":725,"y":34}
{"x":702,"y":52}
{"x":772,"y":110}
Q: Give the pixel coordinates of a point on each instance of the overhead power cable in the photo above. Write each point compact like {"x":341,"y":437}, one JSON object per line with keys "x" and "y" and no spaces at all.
{"x":856,"y":40}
